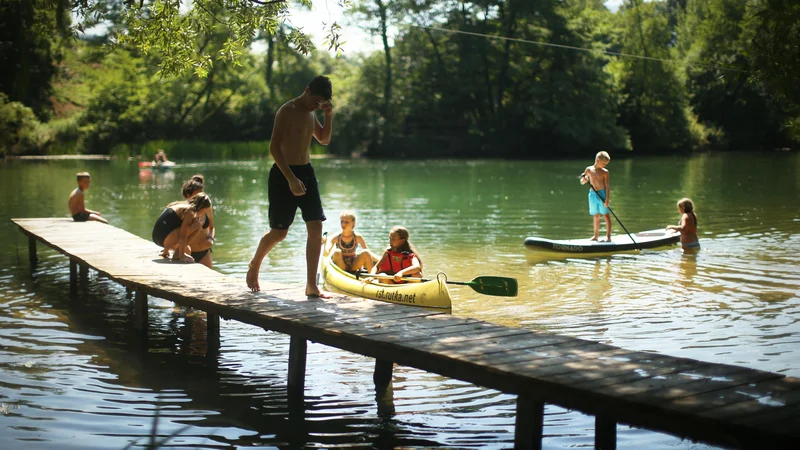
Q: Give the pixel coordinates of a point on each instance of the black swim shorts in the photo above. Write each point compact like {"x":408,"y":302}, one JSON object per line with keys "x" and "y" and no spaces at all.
{"x":167,"y":221}
{"x":80,"y":217}
{"x":283,"y":204}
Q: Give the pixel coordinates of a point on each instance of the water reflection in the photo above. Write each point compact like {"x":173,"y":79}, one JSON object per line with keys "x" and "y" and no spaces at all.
{"x":156,"y":178}
{"x":71,"y":369}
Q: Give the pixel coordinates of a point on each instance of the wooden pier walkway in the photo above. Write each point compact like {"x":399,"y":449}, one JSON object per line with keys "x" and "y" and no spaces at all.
{"x":719,"y":404}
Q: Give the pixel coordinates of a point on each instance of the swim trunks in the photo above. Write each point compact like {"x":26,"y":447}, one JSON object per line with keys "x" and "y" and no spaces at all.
{"x":349,"y":261}
{"x":80,"y":217}
{"x":166,"y":223}
{"x":596,"y":205}
{"x":283,"y":203}
{"x":695,"y":244}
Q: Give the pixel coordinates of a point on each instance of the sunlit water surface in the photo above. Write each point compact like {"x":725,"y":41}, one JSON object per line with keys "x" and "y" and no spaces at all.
{"x":70,"y":376}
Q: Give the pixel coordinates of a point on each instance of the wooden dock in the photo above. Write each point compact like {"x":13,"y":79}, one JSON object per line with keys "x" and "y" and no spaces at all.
{"x":719,"y":404}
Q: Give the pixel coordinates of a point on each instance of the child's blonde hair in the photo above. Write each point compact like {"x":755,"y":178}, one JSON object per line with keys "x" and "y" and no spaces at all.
{"x":348,"y":215}
{"x":81,"y":175}
{"x":603,"y":155}
{"x":687,"y":206}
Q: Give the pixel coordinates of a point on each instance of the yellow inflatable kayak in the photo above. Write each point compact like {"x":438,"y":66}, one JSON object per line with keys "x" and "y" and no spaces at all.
{"x":428,"y":294}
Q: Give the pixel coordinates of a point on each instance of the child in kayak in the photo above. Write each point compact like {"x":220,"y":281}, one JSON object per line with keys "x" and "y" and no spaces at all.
{"x":401,"y":259}
{"x":345,"y":255}
{"x":687,"y":226}
{"x":600,"y":195}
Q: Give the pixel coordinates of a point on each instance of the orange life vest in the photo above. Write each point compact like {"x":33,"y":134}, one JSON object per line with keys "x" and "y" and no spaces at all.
{"x":395,"y":262}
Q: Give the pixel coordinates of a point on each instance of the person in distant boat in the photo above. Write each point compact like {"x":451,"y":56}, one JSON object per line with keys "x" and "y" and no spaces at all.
{"x":599,"y":197}
{"x":180,"y":220}
{"x":76,"y":206}
{"x":400,"y":260}
{"x":687,"y":225}
{"x":292,"y":183}
{"x":345,"y":255}
{"x":160,"y":157}
{"x":200,"y":243}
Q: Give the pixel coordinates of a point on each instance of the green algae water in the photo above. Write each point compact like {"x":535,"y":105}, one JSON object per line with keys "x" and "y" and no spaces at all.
{"x":70,"y":376}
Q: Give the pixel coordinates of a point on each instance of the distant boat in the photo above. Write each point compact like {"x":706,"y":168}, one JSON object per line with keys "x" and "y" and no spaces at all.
{"x":157,"y":165}
{"x":618,"y":243}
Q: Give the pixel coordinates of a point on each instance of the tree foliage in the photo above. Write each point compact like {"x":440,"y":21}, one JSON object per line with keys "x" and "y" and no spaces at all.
{"x":466,"y":78}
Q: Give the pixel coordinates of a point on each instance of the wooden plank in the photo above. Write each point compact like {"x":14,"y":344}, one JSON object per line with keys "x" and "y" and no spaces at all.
{"x":406,"y":324}
{"x":688,"y":383}
{"x":754,"y":400}
{"x":636,"y":366}
{"x":529,"y":423}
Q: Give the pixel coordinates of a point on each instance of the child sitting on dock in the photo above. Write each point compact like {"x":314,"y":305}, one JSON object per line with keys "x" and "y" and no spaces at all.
{"x":345,"y":255}
{"x":599,"y":192}
{"x":180,"y":220}
{"x":400,"y":260}
{"x":687,"y":225}
{"x":76,"y":205}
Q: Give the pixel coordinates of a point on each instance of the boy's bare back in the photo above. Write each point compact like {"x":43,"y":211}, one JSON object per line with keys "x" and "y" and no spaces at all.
{"x":76,"y":204}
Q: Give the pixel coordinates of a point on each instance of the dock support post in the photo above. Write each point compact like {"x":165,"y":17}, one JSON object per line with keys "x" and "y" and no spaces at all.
{"x":297,"y":368}
{"x":384,"y":392}
{"x":383,"y":373}
{"x":73,"y":275}
{"x":605,"y":433}
{"x":32,"y":258}
{"x":84,"y":275}
{"x":212,"y":334}
{"x":140,"y":311}
{"x":529,"y":425}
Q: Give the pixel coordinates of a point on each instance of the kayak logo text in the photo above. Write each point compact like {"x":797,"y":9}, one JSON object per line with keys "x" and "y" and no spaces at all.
{"x":396,"y":296}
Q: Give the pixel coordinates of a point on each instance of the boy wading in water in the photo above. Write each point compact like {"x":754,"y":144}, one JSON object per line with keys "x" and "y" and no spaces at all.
{"x":600,"y":196}
{"x":292,"y":182}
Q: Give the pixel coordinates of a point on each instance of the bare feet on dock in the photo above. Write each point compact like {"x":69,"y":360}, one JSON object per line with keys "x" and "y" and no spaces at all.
{"x":314,"y":292}
{"x":252,"y":278}
{"x":593,"y":238}
{"x":164,"y":254}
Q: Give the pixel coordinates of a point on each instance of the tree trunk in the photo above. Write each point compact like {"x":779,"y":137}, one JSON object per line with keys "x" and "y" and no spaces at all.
{"x":387,"y":87}
{"x":270,"y":60}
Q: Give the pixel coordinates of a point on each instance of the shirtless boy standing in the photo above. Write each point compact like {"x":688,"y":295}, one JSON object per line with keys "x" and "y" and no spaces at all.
{"x":292,"y":182}
{"x":76,"y":206}
{"x":600,"y":196}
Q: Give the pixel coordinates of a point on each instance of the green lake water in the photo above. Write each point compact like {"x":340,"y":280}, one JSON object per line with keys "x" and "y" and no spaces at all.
{"x":70,"y":379}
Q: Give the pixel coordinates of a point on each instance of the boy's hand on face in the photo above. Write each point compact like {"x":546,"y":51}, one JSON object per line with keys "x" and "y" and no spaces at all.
{"x":327,"y":107}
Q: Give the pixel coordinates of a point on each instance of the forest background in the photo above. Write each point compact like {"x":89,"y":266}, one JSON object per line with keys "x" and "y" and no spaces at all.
{"x":483,"y":78}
